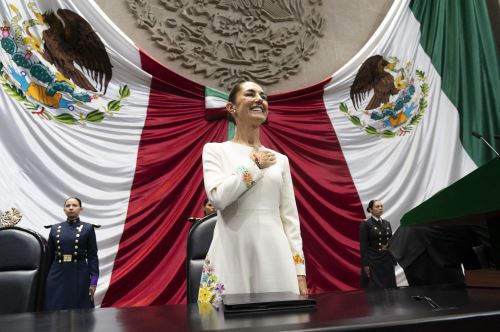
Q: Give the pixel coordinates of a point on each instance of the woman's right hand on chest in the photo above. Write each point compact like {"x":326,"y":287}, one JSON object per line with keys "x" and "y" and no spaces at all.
{"x":263,"y":159}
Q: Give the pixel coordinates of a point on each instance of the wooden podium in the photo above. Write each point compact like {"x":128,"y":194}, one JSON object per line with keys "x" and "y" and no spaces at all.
{"x":474,"y":199}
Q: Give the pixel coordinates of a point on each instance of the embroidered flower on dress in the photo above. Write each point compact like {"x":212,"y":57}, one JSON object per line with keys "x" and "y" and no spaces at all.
{"x":219,"y":288}
{"x":211,"y":288}
{"x":207,"y":269}
{"x":204,"y":295}
{"x":247,"y":177}
{"x":298,"y":259}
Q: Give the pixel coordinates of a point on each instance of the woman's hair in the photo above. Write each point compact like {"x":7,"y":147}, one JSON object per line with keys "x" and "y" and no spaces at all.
{"x":205,"y":202}
{"x":79,"y":200}
{"x":232,"y":98}
{"x":234,"y":91}
{"x":370,"y":205}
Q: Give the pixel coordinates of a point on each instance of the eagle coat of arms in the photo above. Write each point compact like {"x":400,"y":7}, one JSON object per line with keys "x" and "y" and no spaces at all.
{"x":56,"y":65}
{"x":388,"y":99}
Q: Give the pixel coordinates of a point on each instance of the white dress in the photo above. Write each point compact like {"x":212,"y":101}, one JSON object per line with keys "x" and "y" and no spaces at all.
{"x":257,"y":245}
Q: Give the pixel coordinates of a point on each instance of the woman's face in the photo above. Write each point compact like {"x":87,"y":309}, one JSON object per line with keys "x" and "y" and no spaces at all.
{"x":377,"y":209}
{"x":209,"y":208}
{"x":72,"y":208}
{"x":250,"y":105}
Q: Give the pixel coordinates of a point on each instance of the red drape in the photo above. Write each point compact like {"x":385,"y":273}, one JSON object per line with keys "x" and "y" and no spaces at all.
{"x":168,"y":188}
{"x":329,"y":206}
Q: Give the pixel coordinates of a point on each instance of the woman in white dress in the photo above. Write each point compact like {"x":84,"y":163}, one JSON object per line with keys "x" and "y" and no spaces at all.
{"x":257,"y":245}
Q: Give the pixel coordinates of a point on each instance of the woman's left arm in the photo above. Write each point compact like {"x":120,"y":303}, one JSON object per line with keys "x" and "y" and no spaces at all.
{"x":291,"y":225}
{"x":93,"y":261}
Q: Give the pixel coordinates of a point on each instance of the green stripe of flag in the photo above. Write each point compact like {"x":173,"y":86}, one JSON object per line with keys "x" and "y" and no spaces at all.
{"x":457,"y":36}
{"x":218,"y":99}
{"x":215,"y":98}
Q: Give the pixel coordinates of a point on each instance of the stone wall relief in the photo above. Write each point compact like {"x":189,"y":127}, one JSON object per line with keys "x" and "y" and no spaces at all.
{"x":229,"y":40}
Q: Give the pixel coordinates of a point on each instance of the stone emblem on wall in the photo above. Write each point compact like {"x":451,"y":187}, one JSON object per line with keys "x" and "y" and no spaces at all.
{"x":10,"y":218}
{"x":227,"y":40}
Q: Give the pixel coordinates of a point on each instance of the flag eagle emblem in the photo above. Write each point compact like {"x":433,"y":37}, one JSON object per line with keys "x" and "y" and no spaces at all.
{"x":388,"y":99}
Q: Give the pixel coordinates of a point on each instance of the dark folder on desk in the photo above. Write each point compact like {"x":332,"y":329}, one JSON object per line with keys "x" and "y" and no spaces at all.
{"x":265,"y":302}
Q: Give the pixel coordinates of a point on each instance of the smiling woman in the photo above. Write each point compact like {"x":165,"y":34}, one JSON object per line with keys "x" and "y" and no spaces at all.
{"x":257,"y":246}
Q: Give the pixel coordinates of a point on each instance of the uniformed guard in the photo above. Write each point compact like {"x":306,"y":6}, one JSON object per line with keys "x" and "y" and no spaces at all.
{"x":377,"y":263}
{"x":73,"y":274}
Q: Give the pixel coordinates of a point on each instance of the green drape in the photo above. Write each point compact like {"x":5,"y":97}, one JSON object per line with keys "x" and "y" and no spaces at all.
{"x":457,"y":36}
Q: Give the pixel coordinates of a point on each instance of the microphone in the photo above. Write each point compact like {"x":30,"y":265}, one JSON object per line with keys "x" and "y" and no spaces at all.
{"x":479,"y":136}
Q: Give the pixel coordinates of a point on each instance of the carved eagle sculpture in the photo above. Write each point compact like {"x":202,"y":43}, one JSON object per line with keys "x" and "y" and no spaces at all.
{"x":10,"y":218}
{"x":371,"y":75}
{"x":69,"y":40}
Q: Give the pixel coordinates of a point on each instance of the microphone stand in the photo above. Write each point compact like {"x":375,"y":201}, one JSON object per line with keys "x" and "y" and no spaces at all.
{"x":490,"y":146}
{"x":475,"y":134}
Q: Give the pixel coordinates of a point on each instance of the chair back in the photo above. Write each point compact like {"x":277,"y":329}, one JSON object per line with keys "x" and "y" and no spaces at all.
{"x":24,"y":260}
{"x":199,"y":240}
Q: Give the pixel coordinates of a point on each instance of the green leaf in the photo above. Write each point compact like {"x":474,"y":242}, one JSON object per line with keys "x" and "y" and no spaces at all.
{"x":425,"y":88}
{"x":355,"y":120}
{"x":423,"y":104}
{"x":370,"y":130}
{"x":388,"y":134}
{"x":31,"y":107}
{"x":124,"y":92}
{"x":94,"y":116}
{"x":114,"y":106}
{"x":343,"y":108}
{"x":66,"y":118}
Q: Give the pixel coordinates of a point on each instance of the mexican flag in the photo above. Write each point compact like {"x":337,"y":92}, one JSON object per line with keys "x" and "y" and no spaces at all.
{"x":442,"y":59}
{"x":127,"y":139}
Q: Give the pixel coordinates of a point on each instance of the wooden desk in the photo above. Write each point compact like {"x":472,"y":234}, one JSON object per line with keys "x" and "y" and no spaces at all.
{"x":461,"y":309}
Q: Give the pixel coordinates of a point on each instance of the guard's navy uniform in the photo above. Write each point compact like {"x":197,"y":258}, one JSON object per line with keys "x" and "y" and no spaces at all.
{"x":75,"y":266}
{"x":374,"y":236}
